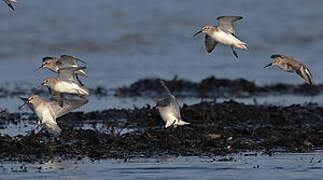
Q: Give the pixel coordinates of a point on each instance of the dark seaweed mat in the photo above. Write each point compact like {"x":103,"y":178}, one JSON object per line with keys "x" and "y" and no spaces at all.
{"x":208,"y":87}
{"x":213,"y":87}
{"x":216,"y":129}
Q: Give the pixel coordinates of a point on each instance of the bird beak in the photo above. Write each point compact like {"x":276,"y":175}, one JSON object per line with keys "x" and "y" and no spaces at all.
{"x":25,"y":102}
{"x":197,"y":33}
{"x":268,"y":65}
{"x":38,"y":68}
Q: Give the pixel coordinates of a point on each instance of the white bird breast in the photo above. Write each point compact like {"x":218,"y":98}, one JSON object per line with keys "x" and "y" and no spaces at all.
{"x":225,"y":38}
{"x":44,"y":114}
{"x":47,"y":117}
{"x":68,"y":87}
{"x":166,"y":114}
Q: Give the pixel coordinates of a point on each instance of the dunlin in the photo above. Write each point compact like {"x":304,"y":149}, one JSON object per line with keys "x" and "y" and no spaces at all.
{"x":290,"y":64}
{"x":68,"y":73}
{"x":8,"y":2}
{"x":48,"y":112}
{"x":65,"y":82}
{"x":169,"y":109}
{"x":224,"y":33}
{"x":54,"y":64}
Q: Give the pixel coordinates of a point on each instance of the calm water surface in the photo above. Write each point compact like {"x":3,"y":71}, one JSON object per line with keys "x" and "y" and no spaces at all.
{"x":281,"y":166}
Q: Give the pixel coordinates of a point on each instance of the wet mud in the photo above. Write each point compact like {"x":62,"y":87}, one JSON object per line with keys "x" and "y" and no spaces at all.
{"x":215,"y":129}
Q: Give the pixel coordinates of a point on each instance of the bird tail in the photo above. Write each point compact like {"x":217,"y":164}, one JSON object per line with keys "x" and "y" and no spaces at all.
{"x":83,"y":91}
{"x":182,"y":122}
{"x":241,"y":45}
{"x":53,"y":129}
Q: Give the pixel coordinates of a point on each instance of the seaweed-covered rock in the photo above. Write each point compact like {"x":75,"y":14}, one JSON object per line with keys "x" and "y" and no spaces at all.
{"x":215,"y":129}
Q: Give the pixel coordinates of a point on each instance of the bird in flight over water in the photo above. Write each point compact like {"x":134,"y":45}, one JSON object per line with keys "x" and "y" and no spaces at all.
{"x":290,"y":64}
{"x":223,"y":33}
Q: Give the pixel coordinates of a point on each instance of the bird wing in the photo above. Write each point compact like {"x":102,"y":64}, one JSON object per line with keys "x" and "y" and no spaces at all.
{"x":274,"y":56}
{"x":68,"y":106}
{"x":175,"y":107}
{"x":210,"y":43}
{"x":48,"y":57}
{"x":305,"y":74}
{"x":67,"y":73}
{"x":290,"y":61}
{"x":57,"y":96}
{"x":67,"y":61}
{"x":51,"y":126}
{"x":70,"y":61}
{"x":172,"y":101}
{"x":226,"y":23}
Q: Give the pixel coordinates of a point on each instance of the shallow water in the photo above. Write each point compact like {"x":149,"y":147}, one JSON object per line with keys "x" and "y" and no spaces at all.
{"x":280,"y":166}
{"x":124,"y":41}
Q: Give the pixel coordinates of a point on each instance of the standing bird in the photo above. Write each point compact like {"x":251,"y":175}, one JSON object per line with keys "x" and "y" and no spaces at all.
{"x":54,"y":64}
{"x":224,"y":33}
{"x":65,"y":83}
{"x":48,"y":112}
{"x":169,"y":109}
{"x":8,"y":2}
{"x":290,"y":64}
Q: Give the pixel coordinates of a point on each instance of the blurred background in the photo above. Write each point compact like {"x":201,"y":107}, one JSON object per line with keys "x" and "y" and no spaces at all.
{"x":124,"y":41}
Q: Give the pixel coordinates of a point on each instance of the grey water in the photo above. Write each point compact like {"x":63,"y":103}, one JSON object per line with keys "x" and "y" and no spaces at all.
{"x":280,"y":166}
{"x":124,"y":41}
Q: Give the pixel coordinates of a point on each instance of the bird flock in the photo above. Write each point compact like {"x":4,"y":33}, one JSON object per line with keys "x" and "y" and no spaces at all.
{"x":68,"y":80}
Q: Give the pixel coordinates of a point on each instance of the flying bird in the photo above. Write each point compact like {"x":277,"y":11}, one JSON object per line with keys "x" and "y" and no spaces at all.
{"x":169,"y":109}
{"x":223,"y":33}
{"x":290,"y":64}
{"x":48,"y":112}
{"x":65,"y":83}
{"x":54,"y":64}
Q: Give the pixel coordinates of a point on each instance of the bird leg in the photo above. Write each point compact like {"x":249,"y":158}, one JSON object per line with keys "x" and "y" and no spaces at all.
{"x":234,"y":52}
{"x":31,"y":132}
{"x":78,"y":79}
